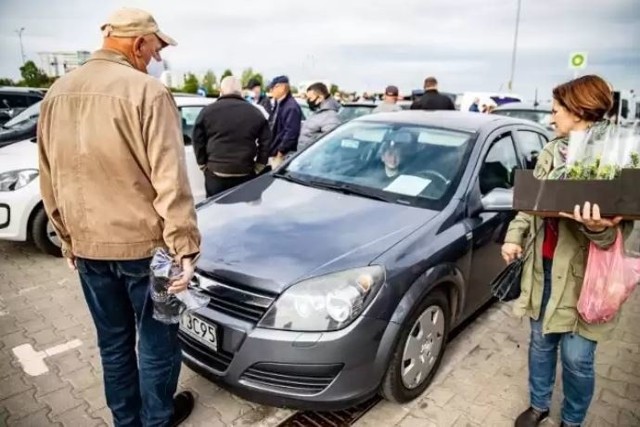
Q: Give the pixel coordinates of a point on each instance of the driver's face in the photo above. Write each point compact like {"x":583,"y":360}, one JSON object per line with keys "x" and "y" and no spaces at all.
{"x":391,"y":158}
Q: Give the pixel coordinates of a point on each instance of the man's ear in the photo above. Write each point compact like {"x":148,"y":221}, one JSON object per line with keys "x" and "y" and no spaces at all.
{"x":137,"y":46}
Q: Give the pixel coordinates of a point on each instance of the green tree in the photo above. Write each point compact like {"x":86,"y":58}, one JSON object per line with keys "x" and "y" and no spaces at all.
{"x":191,"y":83}
{"x":226,"y":73}
{"x":259,"y":78}
{"x":334,"y":89}
{"x":32,"y":76}
{"x":247,"y":74}
{"x":7,"y":82}
{"x":210,"y":82}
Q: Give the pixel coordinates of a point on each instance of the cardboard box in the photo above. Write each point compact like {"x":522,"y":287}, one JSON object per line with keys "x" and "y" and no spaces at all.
{"x":618,"y":197}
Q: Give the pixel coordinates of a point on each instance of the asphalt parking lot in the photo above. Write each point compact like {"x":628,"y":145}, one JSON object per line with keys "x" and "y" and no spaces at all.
{"x":44,"y":323}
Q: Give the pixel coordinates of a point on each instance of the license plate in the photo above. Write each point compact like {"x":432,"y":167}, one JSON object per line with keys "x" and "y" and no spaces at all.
{"x":200,"y":329}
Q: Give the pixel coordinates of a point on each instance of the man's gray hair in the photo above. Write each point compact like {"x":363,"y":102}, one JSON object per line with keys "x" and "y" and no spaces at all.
{"x":230,"y":85}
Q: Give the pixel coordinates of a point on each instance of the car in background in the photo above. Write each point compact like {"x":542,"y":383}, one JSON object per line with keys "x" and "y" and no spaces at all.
{"x":22,"y":215}
{"x":22,"y":126}
{"x":463,"y":101}
{"x":535,"y":112}
{"x":15,"y":99}
{"x":353,"y":110}
{"x":331,"y":281}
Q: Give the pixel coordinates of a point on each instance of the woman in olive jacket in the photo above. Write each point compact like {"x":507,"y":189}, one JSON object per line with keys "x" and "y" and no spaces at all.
{"x":552,"y":277}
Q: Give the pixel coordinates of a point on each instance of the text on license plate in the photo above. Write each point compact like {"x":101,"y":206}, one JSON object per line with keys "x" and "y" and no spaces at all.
{"x":200,"y":329}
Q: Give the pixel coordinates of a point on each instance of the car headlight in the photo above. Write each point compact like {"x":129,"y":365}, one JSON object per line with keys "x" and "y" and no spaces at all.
{"x":325,"y":303}
{"x":13,"y":180}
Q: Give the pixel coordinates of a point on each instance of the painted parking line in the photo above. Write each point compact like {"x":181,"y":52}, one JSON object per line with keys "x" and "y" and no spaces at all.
{"x":32,"y":361}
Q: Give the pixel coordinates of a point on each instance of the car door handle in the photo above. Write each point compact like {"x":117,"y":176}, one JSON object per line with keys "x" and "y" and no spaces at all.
{"x":469,"y":235}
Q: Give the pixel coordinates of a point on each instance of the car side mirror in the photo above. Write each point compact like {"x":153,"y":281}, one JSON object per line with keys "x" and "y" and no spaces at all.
{"x":498,"y":200}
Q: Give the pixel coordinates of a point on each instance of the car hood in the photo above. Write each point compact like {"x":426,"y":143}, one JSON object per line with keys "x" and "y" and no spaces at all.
{"x":21,"y":155}
{"x":270,"y":233}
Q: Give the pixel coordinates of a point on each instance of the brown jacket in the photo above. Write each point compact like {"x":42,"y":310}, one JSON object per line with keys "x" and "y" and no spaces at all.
{"x":112,"y":164}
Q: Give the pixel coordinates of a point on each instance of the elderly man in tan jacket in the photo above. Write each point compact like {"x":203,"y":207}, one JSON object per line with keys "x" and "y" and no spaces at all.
{"x":115,"y":187}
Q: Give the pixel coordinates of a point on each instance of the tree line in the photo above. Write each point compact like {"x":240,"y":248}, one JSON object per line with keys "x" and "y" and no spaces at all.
{"x":32,"y":76}
{"x":209,"y":82}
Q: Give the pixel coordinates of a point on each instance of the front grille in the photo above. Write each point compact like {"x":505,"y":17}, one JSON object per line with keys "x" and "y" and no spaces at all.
{"x":298,"y":379}
{"x":342,"y":418}
{"x":217,"y":360}
{"x":235,"y":301}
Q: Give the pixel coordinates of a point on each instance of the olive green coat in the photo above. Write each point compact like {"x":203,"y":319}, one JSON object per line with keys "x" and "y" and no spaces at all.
{"x":568,"y":271}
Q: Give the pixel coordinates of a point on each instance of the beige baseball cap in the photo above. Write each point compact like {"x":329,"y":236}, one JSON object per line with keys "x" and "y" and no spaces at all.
{"x":131,"y":22}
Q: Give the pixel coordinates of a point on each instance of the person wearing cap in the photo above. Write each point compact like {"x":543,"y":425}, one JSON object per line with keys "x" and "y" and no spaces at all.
{"x":259,"y":97}
{"x":324,"y":117}
{"x":230,"y":139}
{"x":285,"y":120}
{"x":432,"y":99}
{"x":389,"y":101}
{"x":114,"y":184}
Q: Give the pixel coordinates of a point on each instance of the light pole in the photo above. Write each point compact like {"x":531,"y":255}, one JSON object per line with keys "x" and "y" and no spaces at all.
{"x":19,"y":32}
{"x":515,"y":47}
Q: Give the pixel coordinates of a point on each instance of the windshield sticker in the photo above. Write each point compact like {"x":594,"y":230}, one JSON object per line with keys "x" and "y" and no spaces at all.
{"x":408,"y":185}
{"x":350,"y":143}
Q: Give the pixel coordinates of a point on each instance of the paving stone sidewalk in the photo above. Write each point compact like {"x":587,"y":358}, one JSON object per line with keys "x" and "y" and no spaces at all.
{"x":482,"y":381}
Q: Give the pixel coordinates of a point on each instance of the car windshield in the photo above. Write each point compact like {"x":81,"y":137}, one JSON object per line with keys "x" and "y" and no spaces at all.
{"x":541,"y":117}
{"x":350,"y":112}
{"x":26,"y":117}
{"x":401,"y":163}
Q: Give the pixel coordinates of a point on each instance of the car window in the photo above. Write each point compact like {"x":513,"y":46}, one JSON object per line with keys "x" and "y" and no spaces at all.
{"x":498,"y":168}
{"x":350,"y":112}
{"x":188,"y":115}
{"x":530,"y":144}
{"x":417,"y":162}
{"x":11,"y":100}
{"x":541,"y":117}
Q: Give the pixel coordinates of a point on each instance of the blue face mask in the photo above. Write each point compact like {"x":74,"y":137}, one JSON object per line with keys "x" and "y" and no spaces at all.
{"x":155,"y":68}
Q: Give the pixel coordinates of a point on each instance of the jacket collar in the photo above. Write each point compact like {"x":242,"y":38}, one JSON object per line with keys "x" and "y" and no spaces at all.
{"x":111,"y":56}
{"x":231,"y":96}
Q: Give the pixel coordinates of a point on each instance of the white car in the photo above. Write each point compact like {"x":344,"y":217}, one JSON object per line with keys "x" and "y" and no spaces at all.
{"x":22,"y":216}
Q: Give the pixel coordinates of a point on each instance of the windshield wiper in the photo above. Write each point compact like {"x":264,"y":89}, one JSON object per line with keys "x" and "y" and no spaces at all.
{"x":288,"y":177}
{"x":349,"y":189}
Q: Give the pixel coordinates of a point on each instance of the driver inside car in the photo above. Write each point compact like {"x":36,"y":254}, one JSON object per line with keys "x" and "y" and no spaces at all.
{"x":392,"y":155}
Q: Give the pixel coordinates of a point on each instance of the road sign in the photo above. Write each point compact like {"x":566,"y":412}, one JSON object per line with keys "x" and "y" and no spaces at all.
{"x":578,"y":60}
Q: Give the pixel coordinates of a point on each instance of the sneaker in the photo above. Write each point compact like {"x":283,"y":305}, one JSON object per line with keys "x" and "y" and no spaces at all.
{"x":182,"y":407}
{"x":531,"y":418}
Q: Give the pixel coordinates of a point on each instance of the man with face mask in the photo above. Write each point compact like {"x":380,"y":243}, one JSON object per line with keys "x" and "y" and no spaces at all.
{"x":114,"y":184}
{"x":324,"y":117}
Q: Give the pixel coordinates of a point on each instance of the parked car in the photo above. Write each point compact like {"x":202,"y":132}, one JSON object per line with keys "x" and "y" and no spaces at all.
{"x":15,"y":99}
{"x":22,"y":126}
{"x":353,"y":110}
{"x":463,"y":101}
{"x":538,"y":113}
{"x":331,"y":282}
{"x":22,"y":215}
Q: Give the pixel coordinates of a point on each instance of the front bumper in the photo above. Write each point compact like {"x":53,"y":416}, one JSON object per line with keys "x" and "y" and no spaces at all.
{"x":301,"y":370}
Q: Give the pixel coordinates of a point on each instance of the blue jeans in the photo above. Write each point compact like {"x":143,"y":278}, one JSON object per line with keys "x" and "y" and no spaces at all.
{"x":139,"y":390}
{"x":577,"y":355}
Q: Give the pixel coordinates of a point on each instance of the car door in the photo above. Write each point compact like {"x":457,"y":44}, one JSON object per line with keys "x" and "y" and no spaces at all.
{"x":497,"y":171}
{"x":529,"y":143}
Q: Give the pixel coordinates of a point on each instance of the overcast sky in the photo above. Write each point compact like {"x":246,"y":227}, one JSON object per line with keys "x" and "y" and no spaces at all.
{"x":358,"y":44}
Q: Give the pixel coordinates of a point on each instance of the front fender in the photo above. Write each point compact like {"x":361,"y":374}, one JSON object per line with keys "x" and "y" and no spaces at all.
{"x":447,"y":277}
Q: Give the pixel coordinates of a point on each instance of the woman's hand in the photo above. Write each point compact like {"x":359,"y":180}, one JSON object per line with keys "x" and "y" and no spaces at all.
{"x":510,"y":252}
{"x":589,"y":216}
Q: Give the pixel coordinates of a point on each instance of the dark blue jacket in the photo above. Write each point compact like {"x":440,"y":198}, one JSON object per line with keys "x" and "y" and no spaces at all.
{"x":285,"y":123}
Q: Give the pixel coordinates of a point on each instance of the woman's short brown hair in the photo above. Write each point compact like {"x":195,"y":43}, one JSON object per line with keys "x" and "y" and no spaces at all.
{"x":588,"y":97}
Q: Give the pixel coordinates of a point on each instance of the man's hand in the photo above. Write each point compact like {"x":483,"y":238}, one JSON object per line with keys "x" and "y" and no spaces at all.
{"x":188,"y":270}
{"x":510,"y":252}
{"x":71,"y":262}
{"x":589,"y":216}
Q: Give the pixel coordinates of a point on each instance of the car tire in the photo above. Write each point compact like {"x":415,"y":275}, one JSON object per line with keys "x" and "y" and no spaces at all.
{"x":397,"y":388}
{"x":40,"y":234}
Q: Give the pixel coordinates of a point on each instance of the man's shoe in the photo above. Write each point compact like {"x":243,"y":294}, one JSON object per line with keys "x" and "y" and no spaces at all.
{"x":531,"y":418}
{"x":182,"y":407}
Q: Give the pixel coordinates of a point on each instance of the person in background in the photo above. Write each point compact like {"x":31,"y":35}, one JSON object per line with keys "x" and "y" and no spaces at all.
{"x":115,"y":188}
{"x":230,"y":139}
{"x":390,"y":101}
{"x":553,"y":276}
{"x":259,"y":97}
{"x":432,"y":99}
{"x":285,"y":121}
{"x":324,"y":115}
{"x":475,"y":106}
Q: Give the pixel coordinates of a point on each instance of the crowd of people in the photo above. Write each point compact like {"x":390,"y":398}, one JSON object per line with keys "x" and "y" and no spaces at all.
{"x":115,"y":188}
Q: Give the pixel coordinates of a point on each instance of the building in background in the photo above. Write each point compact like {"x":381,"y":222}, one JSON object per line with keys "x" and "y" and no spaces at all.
{"x":56,"y":64}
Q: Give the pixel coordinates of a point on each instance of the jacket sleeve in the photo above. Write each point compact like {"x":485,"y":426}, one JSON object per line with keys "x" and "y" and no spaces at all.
{"x":291,"y":123}
{"x":264,"y":144}
{"x":200,"y":141}
{"x":607,"y":238}
{"x":519,"y":229}
{"x":46,"y":186}
{"x":173,"y":201}
{"x":415,"y":105}
{"x":452,"y":105}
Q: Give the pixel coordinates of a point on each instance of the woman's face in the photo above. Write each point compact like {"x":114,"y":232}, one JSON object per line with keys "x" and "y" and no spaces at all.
{"x":562,"y":120}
